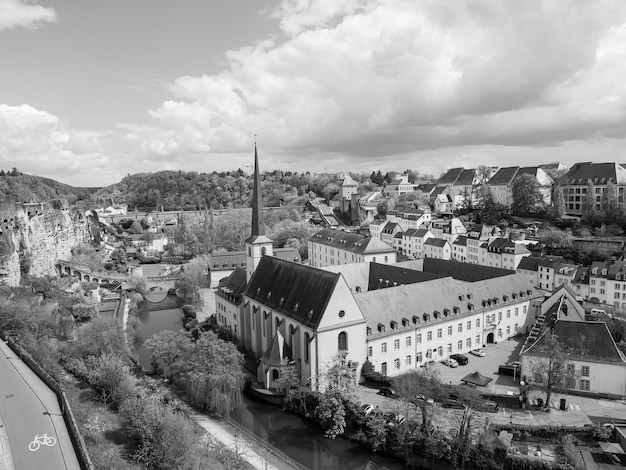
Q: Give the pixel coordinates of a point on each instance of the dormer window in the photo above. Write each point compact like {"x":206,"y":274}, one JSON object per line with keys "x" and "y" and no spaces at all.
{"x":604,"y":272}
{"x":393,"y":324}
{"x":470,"y":296}
{"x":416,"y":319}
{"x":436,"y":314}
{"x":514,"y":295}
{"x":381,"y":328}
{"x":368,"y":331}
{"x":594,"y":271}
{"x":405,"y":322}
{"x":446,"y":312}
{"x":505,"y":298}
{"x":426,"y":317}
{"x":470,"y":307}
{"x":618,"y":276}
{"x":456,"y":310}
{"x":461,"y":297}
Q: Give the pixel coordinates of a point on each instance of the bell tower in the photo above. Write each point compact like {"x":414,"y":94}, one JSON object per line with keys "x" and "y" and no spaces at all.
{"x":257,"y":245}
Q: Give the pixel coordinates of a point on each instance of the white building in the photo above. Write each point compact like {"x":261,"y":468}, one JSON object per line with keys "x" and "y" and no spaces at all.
{"x":330,"y":247}
{"x":437,"y":248}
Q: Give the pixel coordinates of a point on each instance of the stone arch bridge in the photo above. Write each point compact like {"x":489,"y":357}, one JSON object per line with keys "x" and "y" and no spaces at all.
{"x":86,"y":273}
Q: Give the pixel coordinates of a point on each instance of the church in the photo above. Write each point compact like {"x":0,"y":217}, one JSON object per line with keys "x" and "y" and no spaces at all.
{"x":398,"y":317}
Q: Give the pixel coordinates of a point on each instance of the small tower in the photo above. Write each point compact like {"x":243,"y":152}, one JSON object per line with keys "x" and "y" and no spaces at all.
{"x":258,"y":244}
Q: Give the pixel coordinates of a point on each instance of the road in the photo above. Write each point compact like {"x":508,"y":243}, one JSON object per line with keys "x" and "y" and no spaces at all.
{"x":29,"y":408}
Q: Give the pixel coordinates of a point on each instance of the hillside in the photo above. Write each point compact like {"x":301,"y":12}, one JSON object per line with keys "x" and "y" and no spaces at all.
{"x":17,"y":186}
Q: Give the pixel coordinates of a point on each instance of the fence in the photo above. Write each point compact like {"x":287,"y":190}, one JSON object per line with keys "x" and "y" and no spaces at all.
{"x":267,"y":446}
{"x":77,"y":439}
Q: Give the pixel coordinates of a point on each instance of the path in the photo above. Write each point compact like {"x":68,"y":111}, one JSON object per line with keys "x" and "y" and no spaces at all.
{"x":28,"y":409}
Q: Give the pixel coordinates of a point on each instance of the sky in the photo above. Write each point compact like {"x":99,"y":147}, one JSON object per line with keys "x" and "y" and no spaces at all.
{"x":91,"y":91}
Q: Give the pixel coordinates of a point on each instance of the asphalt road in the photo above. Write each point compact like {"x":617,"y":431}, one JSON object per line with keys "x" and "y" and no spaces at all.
{"x":29,"y":409}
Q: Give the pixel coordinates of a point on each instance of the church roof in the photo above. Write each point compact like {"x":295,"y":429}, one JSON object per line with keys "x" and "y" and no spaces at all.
{"x":295,"y":290}
{"x":277,"y":350}
{"x":463,"y":271}
{"x":385,"y":275}
{"x":233,"y":286}
{"x":353,"y":242}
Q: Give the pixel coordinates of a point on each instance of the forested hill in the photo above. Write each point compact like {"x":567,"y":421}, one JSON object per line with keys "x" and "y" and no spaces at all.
{"x":192,"y":190}
{"x":16,"y":186}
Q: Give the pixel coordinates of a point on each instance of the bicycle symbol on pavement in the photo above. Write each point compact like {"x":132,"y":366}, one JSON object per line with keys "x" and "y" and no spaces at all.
{"x":39,"y":440}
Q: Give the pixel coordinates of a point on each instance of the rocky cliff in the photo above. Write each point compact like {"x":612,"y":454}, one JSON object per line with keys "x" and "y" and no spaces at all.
{"x":34,"y":236}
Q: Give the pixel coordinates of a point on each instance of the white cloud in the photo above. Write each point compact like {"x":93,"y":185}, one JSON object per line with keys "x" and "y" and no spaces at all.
{"x":21,"y":13}
{"x":380,"y":79}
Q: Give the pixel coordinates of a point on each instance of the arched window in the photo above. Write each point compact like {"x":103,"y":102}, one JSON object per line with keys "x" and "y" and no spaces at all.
{"x":307,"y":347}
{"x":342,"y":341}
{"x":274,"y":374}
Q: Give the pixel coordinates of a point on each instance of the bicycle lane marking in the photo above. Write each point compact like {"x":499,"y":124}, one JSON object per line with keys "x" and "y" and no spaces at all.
{"x":40,"y":440}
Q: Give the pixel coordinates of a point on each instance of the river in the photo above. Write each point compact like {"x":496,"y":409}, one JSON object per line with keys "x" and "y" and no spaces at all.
{"x":292,"y":434}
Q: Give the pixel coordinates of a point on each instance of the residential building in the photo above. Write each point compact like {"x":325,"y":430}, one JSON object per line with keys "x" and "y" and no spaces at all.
{"x":376,"y":228}
{"x":448,"y":229}
{"x":437,"y":248}
{"x":501,"y":184}
{"x":591,"y":180}
{"x":413,"y":242}
{"x":400,"y":186}
{"x":332,"y":247}
{"x":459,"y":249}
{"x":409,"y":217}
{"x":389,"y":231}
{"x":475,"y":239}
{"x":597,"y":365}
{"x":502,"y":253}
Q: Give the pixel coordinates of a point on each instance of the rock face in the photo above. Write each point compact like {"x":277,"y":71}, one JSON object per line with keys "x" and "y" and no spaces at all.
{"x":34,"y":236}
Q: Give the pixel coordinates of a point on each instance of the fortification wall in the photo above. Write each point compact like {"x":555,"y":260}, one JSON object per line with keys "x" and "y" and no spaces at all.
{"x":33,"y":238}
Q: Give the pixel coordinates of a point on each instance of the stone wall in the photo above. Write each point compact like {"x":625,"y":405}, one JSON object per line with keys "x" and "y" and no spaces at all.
{"x":33,"y":238}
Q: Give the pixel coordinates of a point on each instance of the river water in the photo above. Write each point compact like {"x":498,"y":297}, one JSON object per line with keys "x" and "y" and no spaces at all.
{"x":295,"y":436}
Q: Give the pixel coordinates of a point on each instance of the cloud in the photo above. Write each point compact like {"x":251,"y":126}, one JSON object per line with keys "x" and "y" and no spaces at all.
{"x":21,"y":13}
{"x":379,"y":79}
{"x":37,"y":142}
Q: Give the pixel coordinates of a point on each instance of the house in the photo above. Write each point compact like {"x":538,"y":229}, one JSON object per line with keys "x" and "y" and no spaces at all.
{"x":408,"y":217}
{"x":540,"y":271}
{"x":332,"y":247}
{"x":501,"y":183}
{"x":448,"y":229}
{"x":476,"y":236}
{"x":400,"y":186}
{"x":459,"y":249}
{"x":376,"y":228}
{"x":437,"y":248}
{"x":443,"y":204}
{"x":389,"y":231}
{"x":585,"y":184}
{"x":347,"y":190}
{"x":413,"y":242}
{"x":502,"y":253}
{"x":364,"y":208}
{"x":223,"y":263}
{"x":597,"y":365}
{"x":462,"y":183}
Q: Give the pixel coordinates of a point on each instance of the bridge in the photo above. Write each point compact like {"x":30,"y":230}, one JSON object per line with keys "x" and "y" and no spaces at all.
{"x":88,"y":274}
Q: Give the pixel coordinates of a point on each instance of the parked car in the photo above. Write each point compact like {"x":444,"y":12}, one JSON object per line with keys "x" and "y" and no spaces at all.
{"x":460,"y":358}
{"x":422,"y":398}
{"x":367,"y":408}
{"x":450,"y":362}
{"x":490,"y":406}
{"x":453,"y":403}
{"x":387,"y":392}
{"x":480,"y":352}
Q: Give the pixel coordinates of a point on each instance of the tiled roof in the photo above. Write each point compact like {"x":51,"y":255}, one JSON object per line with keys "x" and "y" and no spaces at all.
{"x":353,"y":242}
{"x":390,"y":227}
{"x":436,"y":301}
{"x":463,"y":271}
{"x":504,"y":176}
{"x":438,"y":190}
{"x":416,"y":232}
{"x":233,"y":286}
{"x":384,"y":275}
{"x":348,"y":181}
{"x":461,"y":240}
{"x":466,"y":178}
{"x":227,"y":260}
{"x":532,"y":263}
{"x":595,"y":173}
{"x":450,"y":176}
{"x":589,"y":341}
{"x":437,"y":242}
{"x":582,"y":275}
{"x":425,"y":188}
{"x":295,"y":290}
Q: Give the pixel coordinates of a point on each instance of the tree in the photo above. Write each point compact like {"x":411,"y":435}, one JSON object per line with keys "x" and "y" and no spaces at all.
{"x":110,"y":375}
{"x":527,"y":195}
{"x":553,"y":237}
{"x":491,"y":209}
{"x":557,"y":208}
{"x":609,"y":204}
{"x":552,"y":370}
{"x":207,"y":369}
{"x":194,"y":277}
{"x":416,"y":387}
{"x":588,"y":205}
{"x":465,"y":423}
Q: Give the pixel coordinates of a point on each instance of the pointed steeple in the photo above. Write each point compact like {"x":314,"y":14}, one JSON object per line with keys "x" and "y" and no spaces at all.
{"x":258,"y":224}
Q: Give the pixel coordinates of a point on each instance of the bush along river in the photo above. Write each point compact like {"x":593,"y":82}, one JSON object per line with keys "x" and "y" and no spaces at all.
{"x":292,"y":434}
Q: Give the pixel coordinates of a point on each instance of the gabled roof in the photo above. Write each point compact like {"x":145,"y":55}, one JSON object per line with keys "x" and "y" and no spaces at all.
{"x":436,"y":242}
{"x":589,"y":341}
{"x":504,"y":176}
{"x":416,"y":232}
{"x":353,"y":242}
{"x":438,"y":190}
{"x":463,"y":271}
{"x":532,"y":263}
{"x":426,"y":187}
{"x":390,"y":227}
{"x":595,"y":173}
{"x":385,"y":275}
{"x":227,"y":260}
{"x":348,"y":181}
{"x":295,"y":290}
{"x":461,"y":240}
{"x":436,"y":301}
{"x":466,"y":178}
{"x":450,"y":176}
{"x":277,"y":350}
{"x":582,"y":275}
{"x":233,"y":286}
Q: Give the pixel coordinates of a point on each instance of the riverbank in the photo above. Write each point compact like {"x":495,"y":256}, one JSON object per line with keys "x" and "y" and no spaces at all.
{"x":6,"y":458}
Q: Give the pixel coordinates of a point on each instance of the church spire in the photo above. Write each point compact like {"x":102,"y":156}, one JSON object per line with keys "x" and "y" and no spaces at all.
{"x":258,"y":223}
